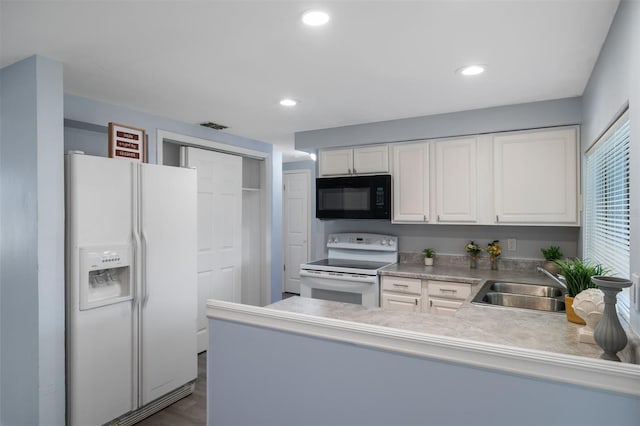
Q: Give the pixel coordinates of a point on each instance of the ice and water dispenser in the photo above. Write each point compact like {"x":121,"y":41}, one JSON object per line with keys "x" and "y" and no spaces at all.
{"x":105,"y":275}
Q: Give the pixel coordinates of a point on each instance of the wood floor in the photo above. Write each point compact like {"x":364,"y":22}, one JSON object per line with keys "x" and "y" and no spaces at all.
{"x":189,"y":411}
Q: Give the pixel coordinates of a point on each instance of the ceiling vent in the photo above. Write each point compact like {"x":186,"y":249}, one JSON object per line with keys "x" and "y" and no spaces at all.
{"x":212,"y":125}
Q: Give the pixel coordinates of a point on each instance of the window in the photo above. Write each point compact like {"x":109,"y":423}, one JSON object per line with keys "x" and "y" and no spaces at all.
{"x":607,"y":228}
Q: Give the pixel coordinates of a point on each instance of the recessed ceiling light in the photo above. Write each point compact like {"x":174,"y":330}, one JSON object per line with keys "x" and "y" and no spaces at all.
{"x":471,"y":70}
{"x":315,"y":18}
{"x":288,"y":102}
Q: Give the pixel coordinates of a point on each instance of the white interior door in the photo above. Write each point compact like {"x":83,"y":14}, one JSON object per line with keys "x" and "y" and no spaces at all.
{"x":296,"y":226}
{"x":169,"y":284}
{"x":219,"y":230}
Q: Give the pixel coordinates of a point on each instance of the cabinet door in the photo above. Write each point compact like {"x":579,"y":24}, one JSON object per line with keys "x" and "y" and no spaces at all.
{"x":536,"y":177}
{"x":456,"y":180}
{"x":400,"y":302}
{"x":411,"y":182}
{"x":443,"y":306}
{"x":336,"y":162}
{"x":371,"y":159}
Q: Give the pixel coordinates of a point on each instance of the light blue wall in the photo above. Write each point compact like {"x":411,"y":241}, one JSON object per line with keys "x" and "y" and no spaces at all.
{"x":32,"y":376}
{"x":451,"y":239}
{"x":488,"y":120}
{"x":290,"y":379}
{"x":614,"y":83}
{"x":86,"y":127}
{"x":99,"y":113}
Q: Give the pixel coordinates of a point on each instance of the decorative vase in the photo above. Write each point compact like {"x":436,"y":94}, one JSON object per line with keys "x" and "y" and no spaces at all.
{"x":428,"y":261}
{"x":494,"y":263}
{"x":473,"y":262}
{"x":571,"y":314}
{"x":589,"y":305}
{"x":552,"y":267}
{"x":609,"y":334}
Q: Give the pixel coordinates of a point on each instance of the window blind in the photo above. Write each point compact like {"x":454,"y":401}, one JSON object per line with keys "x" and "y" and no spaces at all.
{"x":607,"y":205}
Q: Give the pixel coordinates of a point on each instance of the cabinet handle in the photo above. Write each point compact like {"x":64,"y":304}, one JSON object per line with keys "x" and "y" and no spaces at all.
{"x":430,"y":302}
{"x":438,"y":218}
{"x":349,"y":170}
{"x":401,"y":285}
{"x":448,"y":290}
{"x":354,"y":171}
{"x":497,"y":219}
{"x":416,"y":302}
{"x":425,"y":217}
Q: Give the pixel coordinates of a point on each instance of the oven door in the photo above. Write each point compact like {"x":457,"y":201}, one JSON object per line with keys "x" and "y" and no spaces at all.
{"x":338,"y":287}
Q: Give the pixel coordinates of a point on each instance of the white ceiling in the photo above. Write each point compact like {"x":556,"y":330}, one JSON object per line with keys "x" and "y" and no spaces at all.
{"x":232,"y":61}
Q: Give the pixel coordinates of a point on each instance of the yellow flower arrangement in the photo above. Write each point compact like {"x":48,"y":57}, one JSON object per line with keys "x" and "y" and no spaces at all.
{"x":493,"y":249}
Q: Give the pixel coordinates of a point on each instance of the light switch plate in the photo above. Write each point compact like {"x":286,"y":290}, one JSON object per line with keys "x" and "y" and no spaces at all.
{"x":511,"y":244}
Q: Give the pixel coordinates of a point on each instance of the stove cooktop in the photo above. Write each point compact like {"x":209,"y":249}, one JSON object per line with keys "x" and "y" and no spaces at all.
{"x":346,"y":263}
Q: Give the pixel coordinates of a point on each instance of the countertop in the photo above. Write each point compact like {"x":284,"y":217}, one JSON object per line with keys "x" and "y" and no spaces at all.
{"x":465,"y":275}
{"x":519,"y":328}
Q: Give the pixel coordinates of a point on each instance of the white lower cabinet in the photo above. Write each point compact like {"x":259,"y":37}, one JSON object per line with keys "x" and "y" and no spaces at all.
{"x":445,"y":297}
{"x":403,"y":294}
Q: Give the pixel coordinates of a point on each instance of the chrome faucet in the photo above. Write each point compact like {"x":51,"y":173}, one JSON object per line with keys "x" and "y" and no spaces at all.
{"x":553,"y":277}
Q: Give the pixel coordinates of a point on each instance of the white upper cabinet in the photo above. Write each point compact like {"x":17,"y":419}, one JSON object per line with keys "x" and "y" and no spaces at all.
{"x":410,"y":182}
{"x":456,"y":180}
{"x":350,"y":161}
{"x":336,"y":162}
{"x":536,"y":177}
{"x":371,"y":159}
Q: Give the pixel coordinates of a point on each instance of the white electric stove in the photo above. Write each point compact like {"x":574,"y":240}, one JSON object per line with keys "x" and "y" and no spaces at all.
{"x":350,"y":273}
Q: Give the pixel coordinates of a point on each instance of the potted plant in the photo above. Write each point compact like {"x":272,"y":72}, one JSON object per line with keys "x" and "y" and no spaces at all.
{"x":428,"y":253}
{"x":577,"y":276}
{"x":551,"y":254}
{"x":474,"y":250}
{"x":494,"y":251}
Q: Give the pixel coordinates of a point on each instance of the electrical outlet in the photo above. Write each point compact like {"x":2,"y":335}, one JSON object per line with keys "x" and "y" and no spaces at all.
{"x":635,"y":291}
{"x":511,"y":244}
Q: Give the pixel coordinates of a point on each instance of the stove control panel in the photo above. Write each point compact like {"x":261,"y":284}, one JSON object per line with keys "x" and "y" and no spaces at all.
{"x":363,"y":241}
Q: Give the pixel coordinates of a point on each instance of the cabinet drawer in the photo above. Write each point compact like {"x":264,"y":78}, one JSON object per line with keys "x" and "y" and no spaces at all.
{"x":401,"y":285}
{"x":401,"y":302}
{"x":449,"y":290}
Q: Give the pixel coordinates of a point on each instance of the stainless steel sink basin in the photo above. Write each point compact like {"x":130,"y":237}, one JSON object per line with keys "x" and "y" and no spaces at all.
{"x":521,"y":295}
{"x":526,"y":289}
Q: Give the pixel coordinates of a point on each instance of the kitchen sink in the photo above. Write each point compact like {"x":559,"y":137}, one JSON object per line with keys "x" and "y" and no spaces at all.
{"x":521,"y":295}
{"x":526,"y":289}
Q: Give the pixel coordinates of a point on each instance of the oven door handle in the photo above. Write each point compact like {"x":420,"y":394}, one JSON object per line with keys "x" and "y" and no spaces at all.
{"x":339,"y":277}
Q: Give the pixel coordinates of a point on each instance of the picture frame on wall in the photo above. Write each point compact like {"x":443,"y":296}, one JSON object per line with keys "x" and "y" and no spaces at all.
{"x":127,"y":142}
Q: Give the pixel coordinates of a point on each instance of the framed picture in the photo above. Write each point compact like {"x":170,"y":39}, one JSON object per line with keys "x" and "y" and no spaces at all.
{"x":127,"y":142}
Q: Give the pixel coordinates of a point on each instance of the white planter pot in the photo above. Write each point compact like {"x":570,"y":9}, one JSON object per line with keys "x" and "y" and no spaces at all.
{"x":428,"y":261}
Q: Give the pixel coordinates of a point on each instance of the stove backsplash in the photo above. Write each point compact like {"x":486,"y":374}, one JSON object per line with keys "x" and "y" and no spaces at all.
{"x":462,"y":261}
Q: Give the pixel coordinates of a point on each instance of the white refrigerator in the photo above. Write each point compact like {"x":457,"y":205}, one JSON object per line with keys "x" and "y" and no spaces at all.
{"x":131,"y":288}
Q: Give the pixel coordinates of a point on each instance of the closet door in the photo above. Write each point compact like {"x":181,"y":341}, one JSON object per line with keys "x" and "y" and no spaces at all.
{"x":219,"y":230}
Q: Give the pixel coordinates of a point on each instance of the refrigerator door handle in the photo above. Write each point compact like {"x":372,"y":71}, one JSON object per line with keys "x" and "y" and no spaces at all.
{"x":134,"y":272}
{"x":145,"y":297}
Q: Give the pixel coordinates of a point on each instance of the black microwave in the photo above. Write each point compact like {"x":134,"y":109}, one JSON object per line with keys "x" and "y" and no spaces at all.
{"x":354,"y":197}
